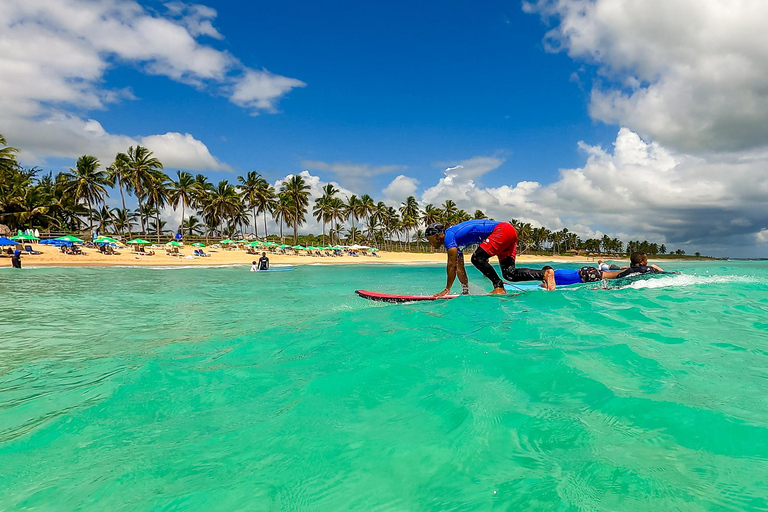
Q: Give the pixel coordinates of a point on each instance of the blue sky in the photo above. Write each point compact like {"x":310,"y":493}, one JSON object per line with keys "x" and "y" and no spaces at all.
{"x":603,"y":117}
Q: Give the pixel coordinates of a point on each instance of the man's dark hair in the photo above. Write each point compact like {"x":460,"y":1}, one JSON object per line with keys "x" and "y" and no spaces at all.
{"x":637,"y":258}
{"x":434,"y":229}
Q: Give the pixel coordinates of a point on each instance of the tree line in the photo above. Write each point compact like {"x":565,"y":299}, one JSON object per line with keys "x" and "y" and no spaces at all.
{"x":74,"y":200}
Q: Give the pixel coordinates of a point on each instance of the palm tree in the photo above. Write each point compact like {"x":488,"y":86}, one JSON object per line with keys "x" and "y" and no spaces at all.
{"x":410,"y":215}
{"x":298,"y":192}
{"x":85,"y":181}
{"x":192,"y":226}
{"x":431,"y":215}
{"x":449,"y":212}
{"x":479,"y":214}
{"x":141,"y":165}
{"x":352,"y":208}
{"x":182,"y":191}
{"x":117,"y":174}
{"x":338,"y":214}
{"x":366,"y":207}
{"x":323,"y":210}
{"x":223,"y":203}
{"x":7,"y":156}
{"x":123,"y":219}
{"x":249,"y":188}
{"x":282,"y":210}
{"x":157,"y":194}
{"x":264,"y":199}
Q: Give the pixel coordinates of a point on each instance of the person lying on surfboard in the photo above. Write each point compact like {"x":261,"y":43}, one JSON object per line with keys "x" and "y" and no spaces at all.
{"x":495,"y":239}
{"x":551,"y":277}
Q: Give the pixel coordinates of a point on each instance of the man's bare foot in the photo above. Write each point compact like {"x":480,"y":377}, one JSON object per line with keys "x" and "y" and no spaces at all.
{"x":549,"y":279}
{"x":498,"y":291}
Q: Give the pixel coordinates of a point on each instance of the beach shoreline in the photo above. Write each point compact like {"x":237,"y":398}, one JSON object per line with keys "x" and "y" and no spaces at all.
{"x":53,"y":257}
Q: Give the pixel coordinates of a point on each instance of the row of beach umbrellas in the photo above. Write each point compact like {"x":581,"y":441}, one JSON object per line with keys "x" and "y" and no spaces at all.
{"x":69,"y":239}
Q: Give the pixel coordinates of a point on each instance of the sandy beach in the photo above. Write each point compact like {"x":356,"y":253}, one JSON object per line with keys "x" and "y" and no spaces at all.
{"x":53,"y":257}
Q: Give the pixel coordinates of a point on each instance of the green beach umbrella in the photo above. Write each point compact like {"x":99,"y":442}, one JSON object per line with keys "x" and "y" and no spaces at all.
{"x":198,"y":244}
{"x":283,"y":246}
{"x":174,"y":243}
{"x":255,"y":244}
{"x":298,"y":247}
{"x":138,"y":241}
{"x":105,"y":240}
{"x":69,"y":238}
{"x":227,"y":241}
{"x":243,"y":241}
{"x":24,"y":238}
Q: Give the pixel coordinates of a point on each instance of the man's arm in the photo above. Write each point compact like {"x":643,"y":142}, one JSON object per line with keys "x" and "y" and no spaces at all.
{"x":450,"y":269}
{"x":461,"y":273}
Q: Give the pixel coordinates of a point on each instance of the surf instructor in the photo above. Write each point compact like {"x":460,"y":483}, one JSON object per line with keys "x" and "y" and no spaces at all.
{"x":495,"y":239}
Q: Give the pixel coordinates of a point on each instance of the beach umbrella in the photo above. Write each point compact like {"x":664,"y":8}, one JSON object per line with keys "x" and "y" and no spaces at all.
{"x":283,"y":246}
{"x":138,"y":241}
{"x":174,"y":243}
{"x":7,"y":241}
{"x":298,"y":247}
{"x":227,"y":241}
{"x":23,"y":238}
{"x":198,"y":244}
{"x":243,"y":241}
{"x":105,"y":240}
{"x":68,"y":238}
{"x":255,"y":244}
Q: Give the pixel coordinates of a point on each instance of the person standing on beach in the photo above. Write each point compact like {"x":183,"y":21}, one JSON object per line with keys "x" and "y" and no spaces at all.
{"x":16,"y":259}
{"x":494,"y":239}
{"x":263,"y":262}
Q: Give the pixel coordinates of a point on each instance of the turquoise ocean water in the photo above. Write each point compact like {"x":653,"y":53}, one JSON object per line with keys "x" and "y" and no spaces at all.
{"x":219,"y":389}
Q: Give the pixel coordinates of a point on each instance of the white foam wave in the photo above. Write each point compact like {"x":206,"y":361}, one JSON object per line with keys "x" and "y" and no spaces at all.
{"x":678,"y":281}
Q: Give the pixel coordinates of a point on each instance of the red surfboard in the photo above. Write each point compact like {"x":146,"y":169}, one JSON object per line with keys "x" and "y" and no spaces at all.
{"x":387,"y":297}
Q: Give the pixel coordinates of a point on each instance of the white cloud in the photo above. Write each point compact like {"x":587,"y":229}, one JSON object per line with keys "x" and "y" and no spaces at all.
{"x":355,"y":176}
{"x":691,"y":75}
{"x":639,"y":190}
{"x":400,"y":188}
{"x":67,"y":136}
{"x":458,"y":182}
{"x":762,"y":236}
{"x":259,"y":90}
{"x":54,"y":56}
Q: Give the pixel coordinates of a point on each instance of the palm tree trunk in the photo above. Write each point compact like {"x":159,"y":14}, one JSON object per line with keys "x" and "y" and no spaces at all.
{"x":122,"y":200}
{"x":295,"y":230}
{"x":266,"y":234}
{"x":90,"y":215}
{"x":141,"y":213}
{"x":255,"y":221}
{"x":181,"y":226}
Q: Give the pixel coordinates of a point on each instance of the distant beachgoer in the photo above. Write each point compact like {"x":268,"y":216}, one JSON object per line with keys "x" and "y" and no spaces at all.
{"x":494,"y":239}
{"x":16,"y":259}
{"x":601,"y":265}
{"x":263,"y":262}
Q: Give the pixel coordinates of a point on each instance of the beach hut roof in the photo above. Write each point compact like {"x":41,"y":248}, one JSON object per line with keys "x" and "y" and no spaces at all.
{"x":4,"y":230}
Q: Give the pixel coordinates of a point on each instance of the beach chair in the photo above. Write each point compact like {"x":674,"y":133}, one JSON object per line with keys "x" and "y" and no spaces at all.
{"x":28,"y":249}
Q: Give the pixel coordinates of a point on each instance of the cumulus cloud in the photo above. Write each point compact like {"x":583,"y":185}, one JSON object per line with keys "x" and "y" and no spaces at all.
{"x":459,"y":181}
{"x":353,"y":175}
{"x":690,"y":75}
{"x":67,"y":136}
{"x":54,"y":56}
{"x":636,"y":190}
{"x":400,"y":188}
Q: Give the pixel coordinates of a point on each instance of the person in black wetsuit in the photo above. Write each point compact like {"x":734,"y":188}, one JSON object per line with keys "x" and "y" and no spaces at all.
{"x":263,"y":262}
{"x":638,"y":264}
